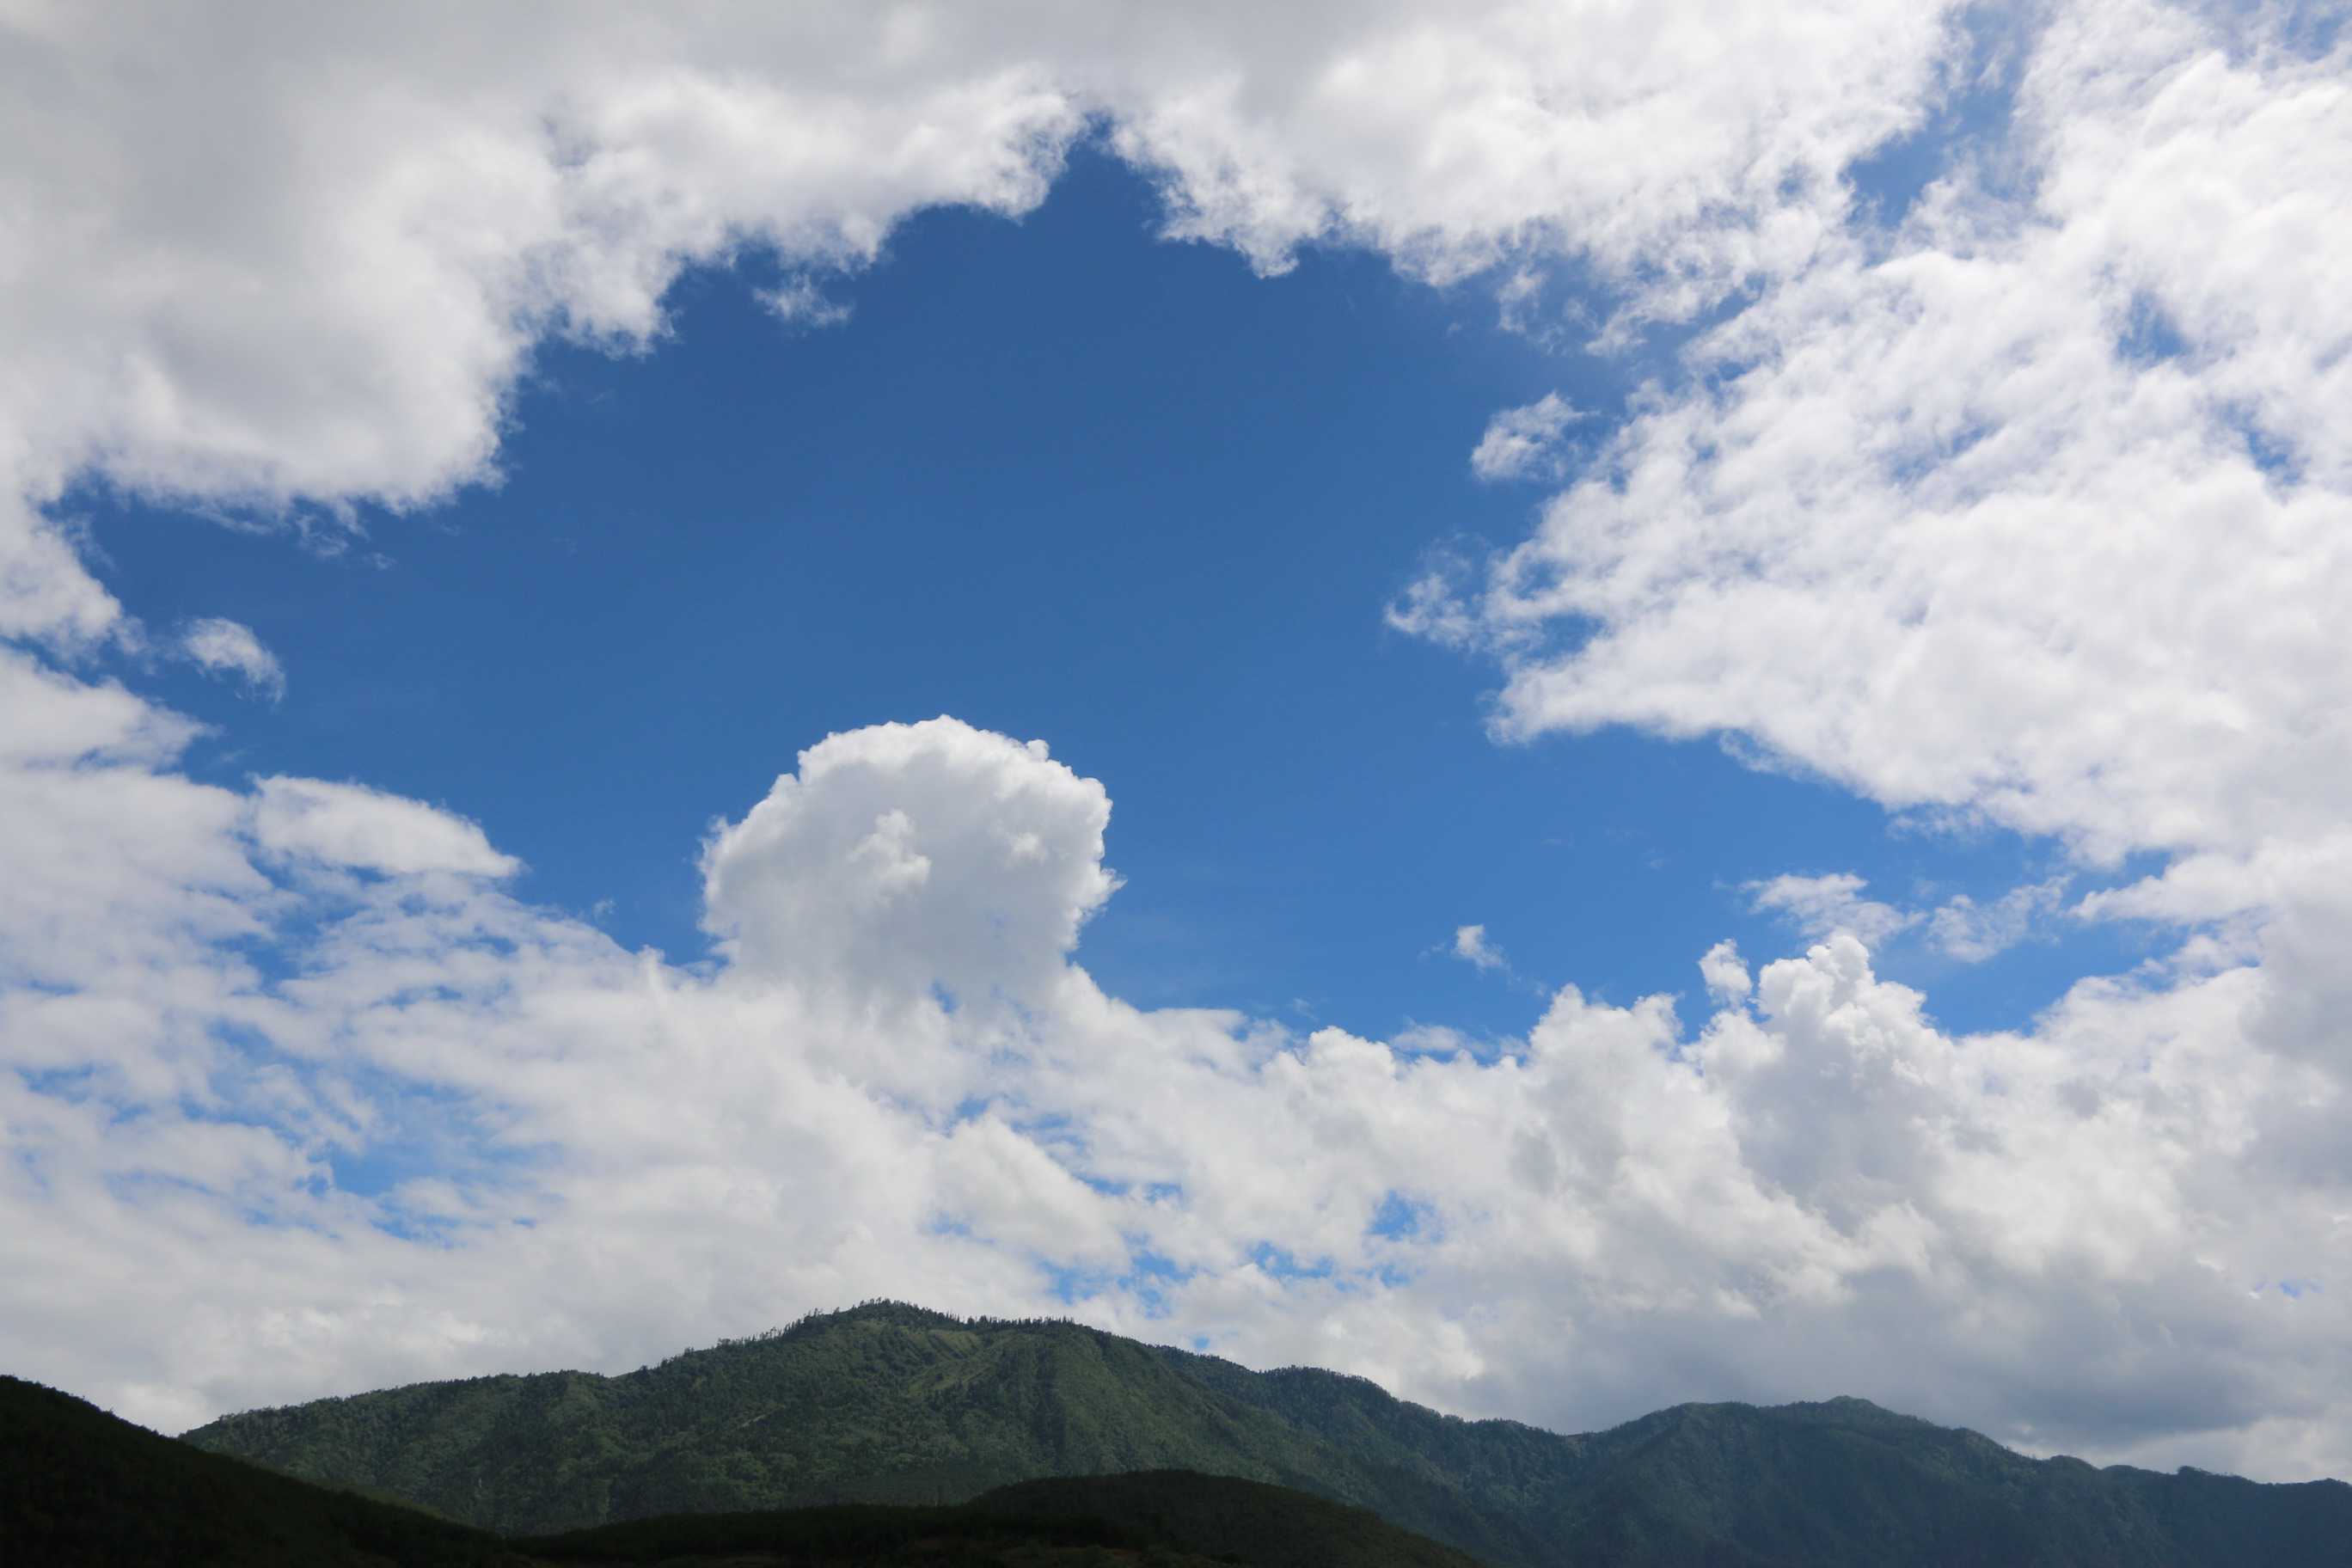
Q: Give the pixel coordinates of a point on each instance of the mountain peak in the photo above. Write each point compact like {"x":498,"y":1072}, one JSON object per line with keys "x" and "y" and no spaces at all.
{"x":888,"y":1401}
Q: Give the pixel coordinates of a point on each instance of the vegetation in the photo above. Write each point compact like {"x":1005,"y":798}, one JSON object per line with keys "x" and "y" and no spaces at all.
{"x":80,"y":1489}
{"x":1272,"y":1527}
{"x":893,"y":1404}
{"x":864,"y":1533}
{"x":881,"y":1405}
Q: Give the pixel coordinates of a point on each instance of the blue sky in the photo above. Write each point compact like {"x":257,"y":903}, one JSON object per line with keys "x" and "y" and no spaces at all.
{"x":536,"y":543}
{"x":1059,"y":478}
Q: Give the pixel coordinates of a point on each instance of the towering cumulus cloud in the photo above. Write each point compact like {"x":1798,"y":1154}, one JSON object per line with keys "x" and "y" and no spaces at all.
{"x":2022,"y":500}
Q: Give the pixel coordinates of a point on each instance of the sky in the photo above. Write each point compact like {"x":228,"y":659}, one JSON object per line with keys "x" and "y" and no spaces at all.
{"x":1576,"y":707}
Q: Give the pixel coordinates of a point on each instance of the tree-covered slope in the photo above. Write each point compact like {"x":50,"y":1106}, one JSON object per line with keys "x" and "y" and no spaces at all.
{"x":82,"y":1489}
{"x":1268,"y":1526}
{"x":891,"y":1403}
{"x":867,"y":1535}
{"x":884,"y":1404}
{"x":1150,"y":1518}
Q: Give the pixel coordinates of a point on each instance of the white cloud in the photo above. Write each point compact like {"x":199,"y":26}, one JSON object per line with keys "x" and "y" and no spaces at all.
{"x":352,"y":826}
{"x":1726,"y":973}
{"x":2030,"y":514}
{"x":267,"y":254}
{"x":226,"y":647}
{"x":817,"y":888}
{"x":1962,"y":927}
{"x":1826,"y":906}
{"x":1826,"y":1193}
{"x":1525,"y":443}
{"x":1938,"y":515}
{"x":1472,"y":946}
{"x":1945,"y":534}
{"x":1973,"y":932}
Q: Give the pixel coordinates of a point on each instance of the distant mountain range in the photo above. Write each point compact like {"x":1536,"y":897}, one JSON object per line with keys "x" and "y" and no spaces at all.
{"x":890,"y":1403}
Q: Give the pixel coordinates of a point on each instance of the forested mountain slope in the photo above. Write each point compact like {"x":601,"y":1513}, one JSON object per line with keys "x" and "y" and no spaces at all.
{"x":1269,"y":1527}
{"x":892,"y":1403}
{"x":82,"y":1489}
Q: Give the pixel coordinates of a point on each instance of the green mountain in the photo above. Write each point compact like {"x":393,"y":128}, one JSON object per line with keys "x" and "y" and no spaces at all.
{"x":82,"y":1489}
{"x":1169,"y":1519}
{"x":892,"y":1404}
{"x":1272,"y":1527}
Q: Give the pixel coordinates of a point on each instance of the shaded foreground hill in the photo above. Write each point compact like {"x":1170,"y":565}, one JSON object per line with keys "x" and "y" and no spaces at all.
{"x":82,"y":1489}
{"x":892,"y":1404}
{"x":1270,"y":1527}
{"x":1165,"y":1519}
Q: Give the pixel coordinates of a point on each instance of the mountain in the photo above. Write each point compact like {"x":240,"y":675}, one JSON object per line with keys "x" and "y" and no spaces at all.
{"x":82,"y":1489}
{"x":892,"y":1403}
{"x":1272,"y":1527}
{"x":1169,"y":1519}
{"x":884,"y":1404}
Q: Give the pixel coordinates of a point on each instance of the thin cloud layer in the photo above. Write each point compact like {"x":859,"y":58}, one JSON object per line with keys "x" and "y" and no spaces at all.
{"x":2029,"y":509}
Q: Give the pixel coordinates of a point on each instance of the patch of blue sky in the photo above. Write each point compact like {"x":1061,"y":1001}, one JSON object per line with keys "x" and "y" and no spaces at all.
{"x":1149,"y":1279}
{"x":1280,"y":1264}
{"x":1070,"y":1285}
{"x":75,"y":1083}
{"x":422,"y":1134}
{"x":2278,"y":459}
{"x":2305,"y":29}
{"x":1968,"y":121}
{"x":371,"y":1134}
{"x":1068,"y":481}
{"x":1398,"y":1218}
{"x":2149,"y":335}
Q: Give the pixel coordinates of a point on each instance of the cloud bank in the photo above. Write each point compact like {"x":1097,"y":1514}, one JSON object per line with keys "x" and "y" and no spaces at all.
{"x":2023,"y":508}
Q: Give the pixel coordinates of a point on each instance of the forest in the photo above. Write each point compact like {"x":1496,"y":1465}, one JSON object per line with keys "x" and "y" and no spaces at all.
{"x":889,"y":1404}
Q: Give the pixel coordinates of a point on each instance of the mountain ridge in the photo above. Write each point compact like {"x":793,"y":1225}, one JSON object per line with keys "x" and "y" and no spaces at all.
{"x":888,"y":1403}
{"x":83,"y":1489}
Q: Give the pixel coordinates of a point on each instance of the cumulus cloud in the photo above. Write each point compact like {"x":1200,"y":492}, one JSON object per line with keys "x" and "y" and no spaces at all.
{"x":1471,"y":945}
{"x":269,"y":256}
{"x":817,"y":887}
{"x":1726,"y":973}
{"x":1813,"y":1188}
{"x":226,"y":647}
{"x":1936,"y":523}
{"x":2027,"y":510}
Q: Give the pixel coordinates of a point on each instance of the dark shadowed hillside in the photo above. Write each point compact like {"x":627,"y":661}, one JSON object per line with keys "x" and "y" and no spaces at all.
{"x":1270,"y":1527}
{"x":1154,"y":1519}
{"x":892,"y":1404}
{"x":82,"y":1489}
